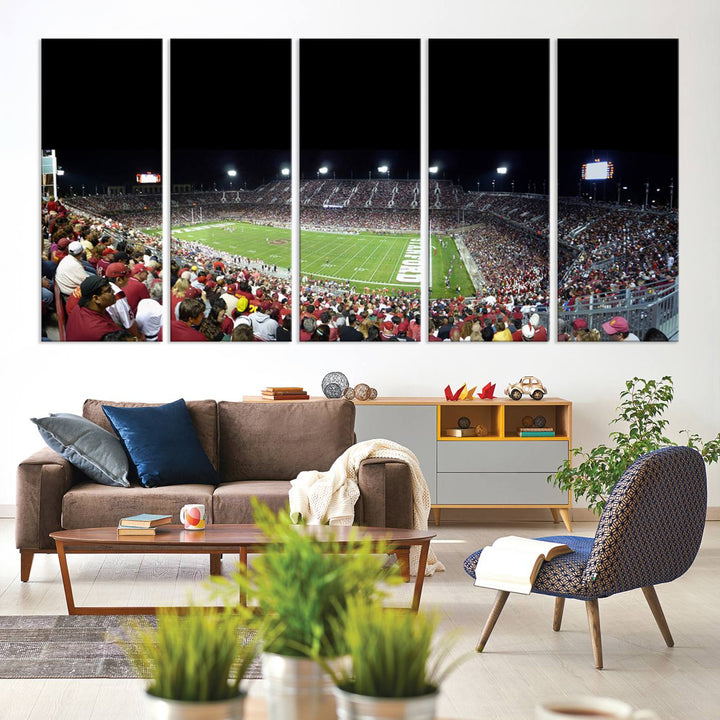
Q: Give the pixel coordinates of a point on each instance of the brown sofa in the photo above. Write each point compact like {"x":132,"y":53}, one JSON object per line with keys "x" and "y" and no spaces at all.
{"x":256,"y":448}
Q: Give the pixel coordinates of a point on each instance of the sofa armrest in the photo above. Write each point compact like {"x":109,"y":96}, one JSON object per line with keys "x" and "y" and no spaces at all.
{"x":386,"y":493}
{"x":42,"y":480}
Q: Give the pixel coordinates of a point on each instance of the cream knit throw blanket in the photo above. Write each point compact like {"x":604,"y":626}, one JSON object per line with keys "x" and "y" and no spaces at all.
{"x":329,"y":497}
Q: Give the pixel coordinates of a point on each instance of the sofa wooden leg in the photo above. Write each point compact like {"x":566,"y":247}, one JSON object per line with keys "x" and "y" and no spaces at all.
{"x":500,"y":600}
{"x":593,"y":615}
{"x":654,"y":603}
{"x":26,"y":561}
{"x":557,"y":615}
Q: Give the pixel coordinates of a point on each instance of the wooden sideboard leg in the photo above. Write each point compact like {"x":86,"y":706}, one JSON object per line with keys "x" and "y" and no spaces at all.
{"x":565,"y":515}
{"x":216,"y":563}
{"x":26,"y":561}
{"x":436,"y":514}
{"x":555,"y":514}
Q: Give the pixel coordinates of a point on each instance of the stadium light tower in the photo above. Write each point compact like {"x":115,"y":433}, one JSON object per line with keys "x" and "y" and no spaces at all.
{"x":231,"y":174}
{"x":385,"y":169}
{"x":285,"y":172}
{"x":322,"y":171}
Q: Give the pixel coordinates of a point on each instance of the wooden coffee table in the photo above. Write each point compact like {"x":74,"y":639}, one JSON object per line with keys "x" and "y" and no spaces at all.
{"x":214,"y":541}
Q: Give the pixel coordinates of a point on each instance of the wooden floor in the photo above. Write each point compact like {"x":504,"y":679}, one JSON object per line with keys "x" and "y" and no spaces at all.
{"x":524,"y":659}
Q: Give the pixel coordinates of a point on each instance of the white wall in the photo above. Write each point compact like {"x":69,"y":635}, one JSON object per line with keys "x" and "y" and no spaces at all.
{"x":41,"y":378}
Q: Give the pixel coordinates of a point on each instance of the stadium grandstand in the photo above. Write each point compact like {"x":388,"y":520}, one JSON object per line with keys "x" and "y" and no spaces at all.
{"x":489,"y":260}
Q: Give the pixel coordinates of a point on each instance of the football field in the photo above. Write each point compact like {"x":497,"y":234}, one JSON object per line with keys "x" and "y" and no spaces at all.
{"x":363,"y":260}
{"x":440,"y":262}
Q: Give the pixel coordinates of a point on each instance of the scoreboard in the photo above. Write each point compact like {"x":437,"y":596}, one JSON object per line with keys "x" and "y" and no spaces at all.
{"x":598,"y":170}
{"x":147,"y":178}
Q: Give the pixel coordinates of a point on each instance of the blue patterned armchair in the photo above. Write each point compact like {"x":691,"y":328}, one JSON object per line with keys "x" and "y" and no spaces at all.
{"x":649,"y":533}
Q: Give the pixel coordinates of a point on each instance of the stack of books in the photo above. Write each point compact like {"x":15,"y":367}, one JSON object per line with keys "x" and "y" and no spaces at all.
{"x":460,"y":432}
{"x":284,"y":393}
{"x":143,"y":524}
{"x":536,"y":432}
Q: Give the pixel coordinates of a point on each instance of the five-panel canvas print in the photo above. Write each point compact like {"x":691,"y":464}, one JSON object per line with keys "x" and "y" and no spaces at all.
{"x":446,"y":166}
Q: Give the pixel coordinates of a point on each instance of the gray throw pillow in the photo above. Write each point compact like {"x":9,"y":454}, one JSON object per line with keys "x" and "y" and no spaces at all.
{"x":98,"y":453}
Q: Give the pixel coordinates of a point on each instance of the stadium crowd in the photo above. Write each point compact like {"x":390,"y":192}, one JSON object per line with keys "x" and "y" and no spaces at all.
{"x":100,"y":280}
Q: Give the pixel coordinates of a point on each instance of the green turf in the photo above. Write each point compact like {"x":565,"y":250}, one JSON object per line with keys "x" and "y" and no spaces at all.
{"x":257,"y":242}
{"x":364,"y":260}
{"x":440,"y":262}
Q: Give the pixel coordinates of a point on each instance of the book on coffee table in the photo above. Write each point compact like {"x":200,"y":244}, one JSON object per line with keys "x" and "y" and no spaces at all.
{"x":145,"y":520}
{"x":126,"y":530}
{"x":512,"y":563}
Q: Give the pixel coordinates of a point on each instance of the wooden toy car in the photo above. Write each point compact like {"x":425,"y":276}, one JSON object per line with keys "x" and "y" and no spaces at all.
{"x":527,"y":385}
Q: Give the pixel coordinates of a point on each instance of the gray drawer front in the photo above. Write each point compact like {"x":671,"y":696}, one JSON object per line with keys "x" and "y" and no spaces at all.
{"x":472,"y":456}
{"x":412,"y":426}
{"x":497,"y":489}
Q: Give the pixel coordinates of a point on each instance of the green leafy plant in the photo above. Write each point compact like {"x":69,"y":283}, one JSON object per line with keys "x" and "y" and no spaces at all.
{"x":199,"y":655}
{"x":642,"y":407}
{"x":392,"y":653}
{"x":302,"y":585}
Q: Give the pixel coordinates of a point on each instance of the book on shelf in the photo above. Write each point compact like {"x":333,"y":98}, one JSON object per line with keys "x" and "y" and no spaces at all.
{"x":524,"y":432}
{"x":460,"y":432}
{"x":536,"y":429}
{"x":145,"y":520}
{"x":129,"y":530}
{"x":512,"y":563}
{"x":284,"y":394}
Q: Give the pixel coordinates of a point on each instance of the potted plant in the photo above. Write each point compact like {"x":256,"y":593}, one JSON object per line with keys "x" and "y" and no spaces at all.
{"x":394,"y":669}
{"x":195,"y":659}
{"x":301,"y":587}
{"x":643,"y":404}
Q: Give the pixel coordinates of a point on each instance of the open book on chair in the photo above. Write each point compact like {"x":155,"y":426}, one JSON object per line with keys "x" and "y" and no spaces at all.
{"x":512,"y":563}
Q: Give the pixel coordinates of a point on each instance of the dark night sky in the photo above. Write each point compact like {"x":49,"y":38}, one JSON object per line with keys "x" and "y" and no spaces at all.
{"x":618,"y":101}
{"x":102,"y":108}
{"x":489,"y":106}
{"x":360,"y":107}
{"x":230,"y":109}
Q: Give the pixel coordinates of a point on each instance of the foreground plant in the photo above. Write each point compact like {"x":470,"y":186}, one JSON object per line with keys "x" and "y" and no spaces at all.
{"x":302,"y":585}
{"x":643,"y":404}
{"x":200,"y":655}
{"x":392,"y":653}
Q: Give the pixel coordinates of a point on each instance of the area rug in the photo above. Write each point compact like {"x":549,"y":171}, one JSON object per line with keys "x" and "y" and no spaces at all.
{"x":69,"y":646}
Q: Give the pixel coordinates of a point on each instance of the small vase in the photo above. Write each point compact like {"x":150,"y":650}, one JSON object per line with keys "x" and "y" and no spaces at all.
{"x":162,"y":709}
{"x":363,"y":707}
{"x":296,"y":688}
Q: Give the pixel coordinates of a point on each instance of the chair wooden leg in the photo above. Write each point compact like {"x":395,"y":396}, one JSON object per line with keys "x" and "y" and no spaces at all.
{"x":557,"y":615}
{"x":500,"y":600}
{"x":654,"y":603}
{"x":593,"y":615}
{"x":26,"y":561}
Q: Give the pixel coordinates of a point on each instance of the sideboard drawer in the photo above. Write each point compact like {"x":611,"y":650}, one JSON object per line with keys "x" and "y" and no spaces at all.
{"x":529,"y":488}
{"x":474,"y":456}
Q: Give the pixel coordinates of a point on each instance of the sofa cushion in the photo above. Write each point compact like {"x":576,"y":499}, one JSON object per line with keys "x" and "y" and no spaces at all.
{"x":232,"y":501}
{"x":163,"y":445}
{"x":98,"y":453}
{"x":278,"y":440}
{"x":90,"y":505}
{"x":202,"y":412}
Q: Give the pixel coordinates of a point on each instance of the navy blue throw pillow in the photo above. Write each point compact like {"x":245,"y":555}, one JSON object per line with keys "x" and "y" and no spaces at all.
{"x":162,"y":443}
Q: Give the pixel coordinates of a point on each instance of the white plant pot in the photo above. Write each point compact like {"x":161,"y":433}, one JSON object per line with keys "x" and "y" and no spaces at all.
{"x":363,"y":707}
{"x":162,"y":709}
{"x":296,"y":688}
